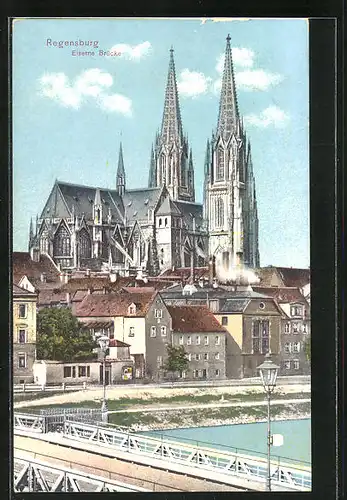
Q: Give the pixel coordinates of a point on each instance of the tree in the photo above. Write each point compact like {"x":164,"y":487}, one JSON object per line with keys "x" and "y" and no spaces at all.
{"x":61,"y":337}
{"x":177,"y":359}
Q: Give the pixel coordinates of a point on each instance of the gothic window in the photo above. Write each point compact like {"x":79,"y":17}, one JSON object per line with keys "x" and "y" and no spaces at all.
{"x":44,"y":245}
{"x":220,"y":164}
{"x":162,"y":166}
{"x":162,"y":256}
{"x":62,"y":241}
{"x":219,"y":212}
{"x":85,"y":245}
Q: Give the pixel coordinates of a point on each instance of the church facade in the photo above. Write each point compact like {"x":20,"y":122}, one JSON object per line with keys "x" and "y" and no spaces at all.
{"x":160,"y":227}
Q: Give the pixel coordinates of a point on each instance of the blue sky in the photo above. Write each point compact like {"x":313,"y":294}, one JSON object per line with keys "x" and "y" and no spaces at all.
{"x":70,"y":112}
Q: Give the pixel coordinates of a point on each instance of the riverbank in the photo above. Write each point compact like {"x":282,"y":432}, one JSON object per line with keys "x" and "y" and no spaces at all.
{"x":205,"y":417}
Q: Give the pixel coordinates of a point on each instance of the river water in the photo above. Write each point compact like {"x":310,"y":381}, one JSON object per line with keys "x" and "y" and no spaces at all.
{"x":250,"y":438}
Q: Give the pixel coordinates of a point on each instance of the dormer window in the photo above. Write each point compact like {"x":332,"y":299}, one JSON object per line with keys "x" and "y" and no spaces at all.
{"x":132,"y":309}
{"x":296,"y":310}
{"x":146,"y":201}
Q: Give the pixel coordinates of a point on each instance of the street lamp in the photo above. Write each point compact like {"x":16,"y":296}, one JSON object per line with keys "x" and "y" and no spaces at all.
{"x":104,"y":343}
{"x":268,"y":374}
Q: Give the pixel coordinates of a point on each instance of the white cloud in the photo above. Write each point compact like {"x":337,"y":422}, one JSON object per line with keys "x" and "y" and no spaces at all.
{"x":241,"y":57}
{"x":257,"y":79}
{"x":272,"y":115}
{"x":132,"y":52}
{"x":116,"y":102}
{"x":90,"y":85}
{"x":193,"y":83}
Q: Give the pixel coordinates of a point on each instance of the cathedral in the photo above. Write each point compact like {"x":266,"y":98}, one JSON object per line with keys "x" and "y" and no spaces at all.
{"x":160,"y":227}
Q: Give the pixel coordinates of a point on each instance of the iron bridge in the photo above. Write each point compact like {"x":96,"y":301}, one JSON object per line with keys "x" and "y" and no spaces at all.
{"x":285,"y":476}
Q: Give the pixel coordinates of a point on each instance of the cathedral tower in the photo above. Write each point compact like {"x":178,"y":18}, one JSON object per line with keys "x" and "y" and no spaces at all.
{"x":229,"y":199}
{"x":170,"y":164}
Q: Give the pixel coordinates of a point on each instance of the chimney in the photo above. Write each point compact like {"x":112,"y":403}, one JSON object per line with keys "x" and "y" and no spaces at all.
{"x":43,"y":278}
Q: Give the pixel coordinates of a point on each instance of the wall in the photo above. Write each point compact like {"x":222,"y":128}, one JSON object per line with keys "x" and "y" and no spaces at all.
{"x":156,"y":346}
{"x":234,"y":337}
{"x":210,"y":365}
{"x":29,"y":347}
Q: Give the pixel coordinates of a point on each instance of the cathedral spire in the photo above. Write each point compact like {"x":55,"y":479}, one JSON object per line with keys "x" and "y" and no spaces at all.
{"x":228,"y":119}
{"x":207,"y":159}
{"x":120,"y":172}
{"x":31,"y":229}
{"x":151,"y":176}
{"x":171,"y":128}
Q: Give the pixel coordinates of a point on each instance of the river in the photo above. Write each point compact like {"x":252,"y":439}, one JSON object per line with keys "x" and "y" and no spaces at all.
{"x":250,"y":438}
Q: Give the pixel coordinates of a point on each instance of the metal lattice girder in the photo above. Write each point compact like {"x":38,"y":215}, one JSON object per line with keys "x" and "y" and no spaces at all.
{"x":35,"y":475}
{"x":249,"y":467}
{"x":29,"y":421}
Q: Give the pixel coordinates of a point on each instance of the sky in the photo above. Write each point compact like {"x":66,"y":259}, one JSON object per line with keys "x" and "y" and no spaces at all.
{"x":70,"y":111}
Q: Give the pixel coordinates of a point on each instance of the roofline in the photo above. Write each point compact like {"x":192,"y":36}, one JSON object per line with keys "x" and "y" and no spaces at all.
{"x":142,"y":189}
{"x":84,"y":186}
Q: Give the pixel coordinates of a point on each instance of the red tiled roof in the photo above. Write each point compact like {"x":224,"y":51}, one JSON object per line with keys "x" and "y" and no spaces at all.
{"x":281,"y":295}
{"x":21,"y":292}
{"x":117,"y":343}
{"x":113,"y":304}
{"x":22,"y":264}
{"x":292,"y":276}
{"x":193,"y":319}
{"x":51,"y":296}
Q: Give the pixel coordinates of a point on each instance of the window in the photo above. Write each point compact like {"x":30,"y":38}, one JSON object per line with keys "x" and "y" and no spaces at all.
{"x":260,"y":336}
{"x":217,"y":340}
{"x":160,"y":222}
{"x":296,"y":364}
{"x":67,"y":371}
{"x":287,"y":347}
{"x":131,"y":331}
{"x":22,"y":311}
{"x":132,"y":309}
{"x":197,"y":340}
{"x":224,"y":320}
{"x":74,"y":371}
{"x":82,"y":371}
{"x":296,"y":310}
{"x":189,"y":356}
{"x":304,"y":328}
{"x":165,"y":221}
{"x":206,"y":356}
{"x":286,"y":365}
{"x":287,"y":328}
{"x":219,"y":213}
{"x":163,"y":331}
{"x":153,"y":331}
{"x":158,"y":313}
{"x":180,"y":340}
{"x":61,"y":244}
{"x":261,"y":305}
{"x":295,"y":328}
{"x":197,"y":357}
{"x":217,"y":372}
{"x":88,"y":371}
{"x":195,"y":373}
{"x":296,"y":347}
{"x":189,"y":340}
{"x":206,"y":340}
{"x":216,"y":356}
{"x":85,"y":244}
{"x":22,"y":361}
{"x":22,"y":336}
{"x":159,"y":361}
{"x":220,"y":164}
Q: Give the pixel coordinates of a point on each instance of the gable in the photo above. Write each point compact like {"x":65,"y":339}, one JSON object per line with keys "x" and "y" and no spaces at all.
{"x":55,"y":205}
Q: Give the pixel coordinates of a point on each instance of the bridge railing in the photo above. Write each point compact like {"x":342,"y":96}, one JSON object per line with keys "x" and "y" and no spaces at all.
{"x":31,"y":475}
{"x":29,"y":421}
{"x":246,"y":466}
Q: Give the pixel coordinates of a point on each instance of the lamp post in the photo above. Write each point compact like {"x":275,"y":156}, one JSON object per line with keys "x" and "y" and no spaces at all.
{"x":104,"y":343}
{"x":268,"y":374}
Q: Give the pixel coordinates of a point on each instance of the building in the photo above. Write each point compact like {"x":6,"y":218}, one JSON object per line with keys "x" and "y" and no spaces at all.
{"x":295,"y":328}
{"x":119,"y":367}
{"x":161,"y":226}
{"x":252,"y":322}
{"x":24,"y":334}
{"x":121,"y":316}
